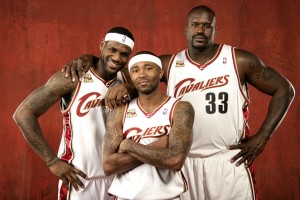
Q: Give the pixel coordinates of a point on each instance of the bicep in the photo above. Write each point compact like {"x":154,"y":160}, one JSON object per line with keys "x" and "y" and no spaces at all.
{"x":40,"y":100}
{"x":182,"y":124}
{"x":253,"y":71}
{"x":114,"y":135}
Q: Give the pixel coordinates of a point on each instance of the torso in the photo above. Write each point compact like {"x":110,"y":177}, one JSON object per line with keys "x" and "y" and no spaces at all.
{"x":84,"y":124}
{"x":219,"y":100}
{"x":145,"y":128}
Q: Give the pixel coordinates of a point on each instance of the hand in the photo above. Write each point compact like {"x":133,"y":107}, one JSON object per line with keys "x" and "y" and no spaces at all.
{"x":122,"y":147}
{"x":68,"y":174}
{"x":116,"y":95}
{"x":251,"y":148}
{"x":78,"y":67}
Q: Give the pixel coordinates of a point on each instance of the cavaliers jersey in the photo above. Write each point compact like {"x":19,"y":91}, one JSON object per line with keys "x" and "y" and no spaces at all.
{"x":84,"y":125}
{"x":147,"y":181}
{"x":219,"y":100}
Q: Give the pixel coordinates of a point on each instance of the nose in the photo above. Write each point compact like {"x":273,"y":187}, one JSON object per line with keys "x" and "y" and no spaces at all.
{"x":116,"y":57}
{"x":200,"y":29}
{"x":141,"y":73}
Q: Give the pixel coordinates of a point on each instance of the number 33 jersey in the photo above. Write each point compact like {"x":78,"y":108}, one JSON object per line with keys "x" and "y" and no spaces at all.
{"x":219,"y":100}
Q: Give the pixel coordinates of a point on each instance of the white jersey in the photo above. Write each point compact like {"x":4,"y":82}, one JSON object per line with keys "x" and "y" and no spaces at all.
{"x":147,"y":181}
{"x":219,"y":100}
{"x":84,"y":126}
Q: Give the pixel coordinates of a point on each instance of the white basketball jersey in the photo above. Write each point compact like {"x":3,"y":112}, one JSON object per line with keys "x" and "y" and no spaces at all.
{"x":84,"y":125}
{"x":147,"y":181}
{"x":219,"y":100}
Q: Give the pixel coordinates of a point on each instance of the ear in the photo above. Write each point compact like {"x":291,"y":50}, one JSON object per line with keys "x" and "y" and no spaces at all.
{"x":185,"y":30}
{"x":215,"y":31}
{"x":161,"y":74}
{"x":102,"y":45}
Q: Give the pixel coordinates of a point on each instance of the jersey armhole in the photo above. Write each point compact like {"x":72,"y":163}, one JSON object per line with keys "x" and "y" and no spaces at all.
{"x":243,"y":89}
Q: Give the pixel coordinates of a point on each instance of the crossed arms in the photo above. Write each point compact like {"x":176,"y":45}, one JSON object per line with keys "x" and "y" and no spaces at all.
{"x":121,"y":155}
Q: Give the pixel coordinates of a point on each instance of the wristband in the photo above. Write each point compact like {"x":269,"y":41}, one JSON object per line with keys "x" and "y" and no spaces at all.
{"x":49,"y":164}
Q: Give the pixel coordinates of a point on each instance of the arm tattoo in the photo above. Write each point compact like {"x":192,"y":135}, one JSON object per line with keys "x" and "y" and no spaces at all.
{"x":114,"y":135}
{"x":180,"y":139}
{"x":266,"y":73}
{"x":269,"y":74}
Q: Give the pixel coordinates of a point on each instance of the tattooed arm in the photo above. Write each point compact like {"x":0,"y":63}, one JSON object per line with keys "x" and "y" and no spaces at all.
{"x":114,"y":162}
{"x":253,"y":71}
{"x":180,"y":140}
{"x":26,"y":117}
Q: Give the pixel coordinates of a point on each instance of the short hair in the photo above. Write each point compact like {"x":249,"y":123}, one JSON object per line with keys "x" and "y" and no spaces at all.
{"x":123,"y":31}
{"x":202,"y":7}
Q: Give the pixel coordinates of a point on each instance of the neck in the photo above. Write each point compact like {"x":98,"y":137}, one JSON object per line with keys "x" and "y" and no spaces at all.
{"x":203,"y":56}
{"x":100,"y":70}
{"x":150,"y":102}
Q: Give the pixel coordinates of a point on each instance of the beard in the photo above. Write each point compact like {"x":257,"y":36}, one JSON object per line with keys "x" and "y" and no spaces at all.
{"x":149,"y":89}
{"x":200,"y":46}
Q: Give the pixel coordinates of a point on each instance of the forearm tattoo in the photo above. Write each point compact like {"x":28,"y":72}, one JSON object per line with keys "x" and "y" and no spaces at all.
{"x":180,"y":139}
{"x":113,"y":136}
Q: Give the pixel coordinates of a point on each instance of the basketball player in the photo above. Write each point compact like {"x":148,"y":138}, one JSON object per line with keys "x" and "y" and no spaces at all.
{"x":132,"y":128}
{"x":79,"y":160}
{"x":213,"y":78}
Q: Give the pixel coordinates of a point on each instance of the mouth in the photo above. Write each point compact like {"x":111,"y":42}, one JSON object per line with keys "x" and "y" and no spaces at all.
{"x":143,"y":83}
{"x":112,"y":65}
{"x":199,"y":38}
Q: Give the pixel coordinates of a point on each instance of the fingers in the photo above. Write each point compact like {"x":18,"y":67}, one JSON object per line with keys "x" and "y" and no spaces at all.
{"x":80,"y":173}
{"x":241,"y":161}
{"x":250,"y":161}
{"x":65,"y":181}
{"x":80,"y":66}
{"x":113,"y":99}
{"x":68,"y":174}
{"x":75,"y":182}
{"x":75,"y":69}
{"x":73,"y":179}
{"x":234,"y":147}
{"x":242,"y":157}
{"x":237,"y":156}
{"x":86,"y":66}
{"x":66,"y":69}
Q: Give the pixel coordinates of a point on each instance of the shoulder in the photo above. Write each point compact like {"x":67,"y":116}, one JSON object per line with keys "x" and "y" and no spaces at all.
{"x":244,"y":57}
{"x":59,"y":83}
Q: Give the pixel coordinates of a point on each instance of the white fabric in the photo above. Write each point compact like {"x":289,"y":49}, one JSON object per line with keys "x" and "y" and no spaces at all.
{"x":143,"y":58}
{"x":146,"y":181}
{"x":83,"y":131}
{"x":119,"y":38}
{"x":220,"y":103}
{"x":95,"y":189}
{"x":214,"y":91}
{"x":216,"y":178}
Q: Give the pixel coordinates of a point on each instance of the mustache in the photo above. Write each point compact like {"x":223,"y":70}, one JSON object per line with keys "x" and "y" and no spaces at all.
{"x":199,"y":34}
{"x":140,"y":80}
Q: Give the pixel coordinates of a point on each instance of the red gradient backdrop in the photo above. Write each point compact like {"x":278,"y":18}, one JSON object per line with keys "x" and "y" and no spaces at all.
{"x":38,"y":37}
